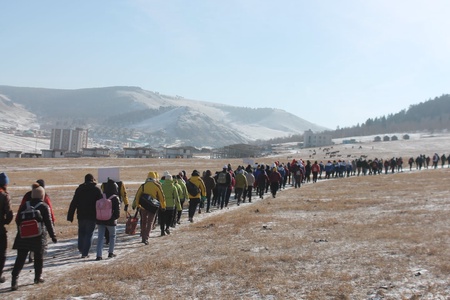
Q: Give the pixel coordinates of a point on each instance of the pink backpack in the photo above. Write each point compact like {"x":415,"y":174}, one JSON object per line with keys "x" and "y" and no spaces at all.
{"x":104,"y":208}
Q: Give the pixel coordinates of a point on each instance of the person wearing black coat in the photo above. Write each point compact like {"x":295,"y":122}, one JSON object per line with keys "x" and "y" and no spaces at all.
{"x":84,"y":200}
{"x":6,"y":216}
{"x":36,"y":244}
{"x":110,"y":189}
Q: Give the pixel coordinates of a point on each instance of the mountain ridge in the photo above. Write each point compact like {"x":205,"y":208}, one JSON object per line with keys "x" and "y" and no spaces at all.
{"x":158,"y":120}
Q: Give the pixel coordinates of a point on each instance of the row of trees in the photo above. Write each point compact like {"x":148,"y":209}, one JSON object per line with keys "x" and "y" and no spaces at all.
{"x":431,"y":115}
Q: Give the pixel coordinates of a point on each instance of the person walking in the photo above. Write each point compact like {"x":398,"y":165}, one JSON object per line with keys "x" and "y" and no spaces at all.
{"x":151,"y":187}
{"x":47,"y":200}
{"x":171,"y":195}
{"x":6,"y":216}
{"x":194,"y":199}
{"x":241,"y":185}
{"x":111,"y":190}
{"x":83,"y":202}
{"x":315,"y":169}
{"x":183,"y":194}
{"x":210,"y":184}
{"x":36,"y":244}
{"x":274,"y":179}
{"x":223,"y":182}
{"x":250,"y":182}
{"x":262,"y":180}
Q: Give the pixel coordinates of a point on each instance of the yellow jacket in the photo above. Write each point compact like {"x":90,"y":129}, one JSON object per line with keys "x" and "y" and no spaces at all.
{"x":152,"y":187}
{"x":198,"y":181}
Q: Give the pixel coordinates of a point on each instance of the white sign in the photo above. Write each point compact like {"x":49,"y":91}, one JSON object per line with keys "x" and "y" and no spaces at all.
{"x":105,"y":173}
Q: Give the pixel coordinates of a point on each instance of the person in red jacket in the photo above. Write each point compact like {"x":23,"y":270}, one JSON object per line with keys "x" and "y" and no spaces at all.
{"x":27,"y":197}
{"x":315,"y":169}
{"x":47,"y":200}
{"x":274,"y":179}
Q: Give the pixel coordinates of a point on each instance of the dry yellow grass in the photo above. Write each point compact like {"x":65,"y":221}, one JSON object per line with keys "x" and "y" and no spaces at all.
{"x":351,"y":238}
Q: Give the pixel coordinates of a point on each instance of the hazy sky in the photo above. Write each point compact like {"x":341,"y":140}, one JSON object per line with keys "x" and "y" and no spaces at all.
{"x":334,"y":63}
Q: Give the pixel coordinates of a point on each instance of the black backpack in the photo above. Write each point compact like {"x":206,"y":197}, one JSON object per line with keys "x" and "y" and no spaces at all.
{"x":192,"y":189}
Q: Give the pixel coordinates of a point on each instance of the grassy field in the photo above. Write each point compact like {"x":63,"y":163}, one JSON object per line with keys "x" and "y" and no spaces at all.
{"x":366,"y":237}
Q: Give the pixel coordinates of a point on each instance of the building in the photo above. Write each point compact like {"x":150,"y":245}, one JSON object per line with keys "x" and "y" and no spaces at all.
{"x":46,"y":153}
{"x":10,"y":154}
{"x":140,"y":152}
{"x":237,"y":151}
{"x":95,"y":152}
{"x":178,"y":152}
{"x":311,"y":139}
{"x":71,"y":140}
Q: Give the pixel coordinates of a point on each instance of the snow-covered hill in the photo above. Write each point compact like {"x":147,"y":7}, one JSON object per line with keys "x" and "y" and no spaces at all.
{"x":162,"y":120}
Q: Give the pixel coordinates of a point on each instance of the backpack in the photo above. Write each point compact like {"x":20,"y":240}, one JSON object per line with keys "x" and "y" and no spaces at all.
{"x":192,"y":188}
{"x":30,"y":221}
{"x":222,"y":178}
{"x":103,"y":208}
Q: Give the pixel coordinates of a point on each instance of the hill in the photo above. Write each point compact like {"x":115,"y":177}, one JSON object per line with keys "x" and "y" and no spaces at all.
{"x":125,"y":113}
{"x":431,"y":115}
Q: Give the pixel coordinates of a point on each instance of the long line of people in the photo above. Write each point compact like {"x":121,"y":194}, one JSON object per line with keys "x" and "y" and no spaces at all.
{"x":208,"y":191}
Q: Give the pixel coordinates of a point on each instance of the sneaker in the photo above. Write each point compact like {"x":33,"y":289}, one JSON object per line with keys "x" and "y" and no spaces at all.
{"x":99,"y":258}
{"x":39,"y":280}
{"x":111,"y":255}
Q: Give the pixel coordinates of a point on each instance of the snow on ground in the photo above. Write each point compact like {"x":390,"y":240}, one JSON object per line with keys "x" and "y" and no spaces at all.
{"x":11,"y":142}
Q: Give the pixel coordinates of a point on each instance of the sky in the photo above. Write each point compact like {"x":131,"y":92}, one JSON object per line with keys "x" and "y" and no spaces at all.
{"x":333,"y":63}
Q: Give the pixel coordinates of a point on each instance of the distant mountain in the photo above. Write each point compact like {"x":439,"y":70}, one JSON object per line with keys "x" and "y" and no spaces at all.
{"x":131,"y":113}
{"x":431,"y":115}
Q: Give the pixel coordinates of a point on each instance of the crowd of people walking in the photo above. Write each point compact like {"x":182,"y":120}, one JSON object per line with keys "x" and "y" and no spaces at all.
{"x":159,"y":200}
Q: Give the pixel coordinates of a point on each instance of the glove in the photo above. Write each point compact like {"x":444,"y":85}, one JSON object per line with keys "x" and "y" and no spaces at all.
{"x":54,"y":240}
{"x":126,"y":207}
{"x":203,"y":198}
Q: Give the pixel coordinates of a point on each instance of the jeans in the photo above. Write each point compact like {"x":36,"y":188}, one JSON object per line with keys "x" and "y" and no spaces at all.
{"x":86,"y":230}
{"x":101,"y":236}
{"x":222,"y":190}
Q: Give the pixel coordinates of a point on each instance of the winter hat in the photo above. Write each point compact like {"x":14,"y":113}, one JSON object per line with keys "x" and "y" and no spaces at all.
{"x":152,"y":175}
{"x":37,"y":191}
{"x":167,"y":176}
{"x":4,"y":180}
{"x":41,"y":182}
{"x":195,"y":173}
{"x":225,"y":167}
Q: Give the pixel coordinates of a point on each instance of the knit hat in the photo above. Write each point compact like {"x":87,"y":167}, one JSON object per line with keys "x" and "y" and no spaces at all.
{"x":37,"y":191}
{"x":41,"y":182}
{"x":4,"y":180}
{"x":195,"y":173}
{"x":167,"y":176}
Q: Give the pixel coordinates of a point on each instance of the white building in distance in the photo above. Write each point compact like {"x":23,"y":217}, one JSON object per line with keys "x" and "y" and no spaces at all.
{"x":71,"y":140}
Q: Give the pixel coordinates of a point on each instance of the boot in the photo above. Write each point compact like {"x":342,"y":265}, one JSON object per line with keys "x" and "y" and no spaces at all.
{"x":14,"y":284}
